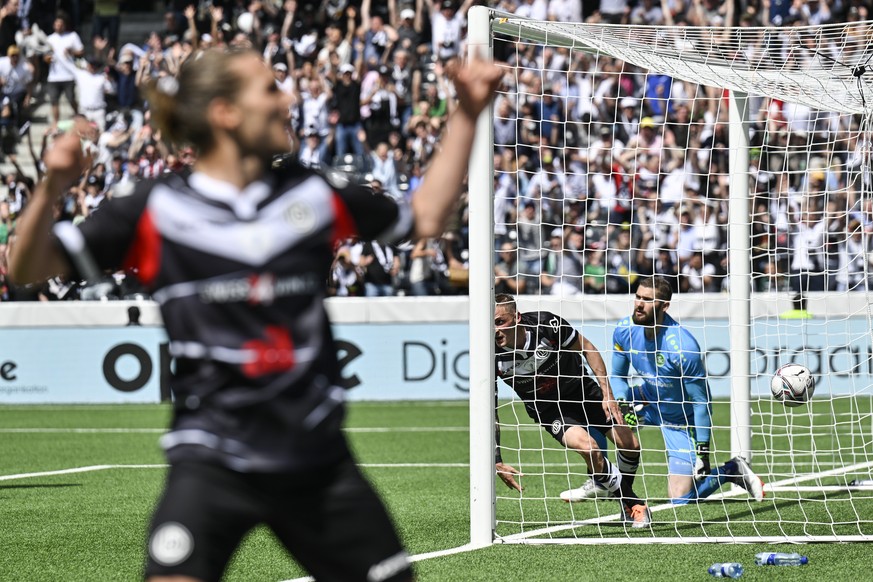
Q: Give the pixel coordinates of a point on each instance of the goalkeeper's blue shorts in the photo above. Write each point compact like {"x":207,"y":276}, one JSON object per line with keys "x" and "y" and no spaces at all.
{"x":679,"y":441}
{"x":680,"y":445}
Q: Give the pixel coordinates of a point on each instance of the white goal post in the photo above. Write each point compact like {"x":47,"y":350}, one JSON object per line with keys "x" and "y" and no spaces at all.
{"x":808,"y":455}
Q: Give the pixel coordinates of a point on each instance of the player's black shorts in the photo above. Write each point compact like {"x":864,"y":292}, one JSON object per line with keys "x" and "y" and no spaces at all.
{"x":557,"y":417}
{"x":330,"y":520}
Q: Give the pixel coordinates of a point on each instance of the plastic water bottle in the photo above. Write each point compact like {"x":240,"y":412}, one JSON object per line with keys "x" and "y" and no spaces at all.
{"x":780,"y":559}
{"x":728,"y":570}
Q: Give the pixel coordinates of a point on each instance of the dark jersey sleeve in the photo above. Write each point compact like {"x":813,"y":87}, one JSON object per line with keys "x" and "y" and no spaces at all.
{"x":108,"y":234}
{"x":373,"y":216}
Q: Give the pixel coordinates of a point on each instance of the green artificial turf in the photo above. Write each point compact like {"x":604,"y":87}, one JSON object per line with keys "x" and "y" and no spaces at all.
{"x":90,"y":525}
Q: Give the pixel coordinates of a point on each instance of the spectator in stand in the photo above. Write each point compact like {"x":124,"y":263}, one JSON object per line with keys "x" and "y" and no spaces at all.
{"x":10,"y":23}
{"x":647,"y":12}
{"x":313,"y":150}
{"x":408,"y":26}
{"x":807,"y":258}
{"x":533,"y":9}
{"x":427,"y":271}
{"x":605,"y":147}
{"x":315,"y":98}
{"x":698,"y":277}
{"x":384,"y":169}
{"x":378,"y":37}
{"x":65,"y":46}
{"x":107,"y":20}
{"x":565,"y":11}
{"x":614,"y":11}
{"x":92,"y":84}
{"x":346,"y":279}
{"x":506,"y":279}
{"x":379,"y":264}
{"x":338,"y":43}
{"x":595,"y":272}
{"x":381,"y":101}
{"x":284,"y":81}
{"x":149,"y":160}
{"x":447,"y":23}
{"x":346,"y":103}
{"x":16,"y":75}
{"x":566,"y":272}
{"x":530,"y":241}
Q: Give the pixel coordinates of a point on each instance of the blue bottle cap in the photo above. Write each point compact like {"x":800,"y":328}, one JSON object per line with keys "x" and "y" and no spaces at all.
{"x":804,"y":560}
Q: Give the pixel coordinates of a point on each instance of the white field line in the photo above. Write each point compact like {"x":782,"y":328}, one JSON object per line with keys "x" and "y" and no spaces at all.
{"x":91,"y":468}
{"x":415,"y":558}
{"x":523,"y":537}
{"x":78,"y":470}
{"x":357,"y":429}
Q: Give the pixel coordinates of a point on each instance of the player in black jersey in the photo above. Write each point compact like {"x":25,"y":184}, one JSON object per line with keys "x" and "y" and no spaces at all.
{"x":543,"y":358}
{"x":237,"y":255}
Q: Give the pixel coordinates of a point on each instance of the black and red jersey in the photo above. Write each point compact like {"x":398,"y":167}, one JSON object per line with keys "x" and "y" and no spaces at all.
{"x":240,"y":277}
{"x":545,"y":369}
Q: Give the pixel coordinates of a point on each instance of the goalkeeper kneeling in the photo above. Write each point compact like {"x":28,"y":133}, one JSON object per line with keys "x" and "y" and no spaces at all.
{"x":674,"y":394}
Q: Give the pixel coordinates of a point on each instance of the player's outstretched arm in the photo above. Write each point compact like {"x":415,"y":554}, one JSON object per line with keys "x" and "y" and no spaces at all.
{"x":618,"y":381}
{"x":475,"y":84}
{"x":598,"y":366}
{"x":504,"y":471}
{"x":34,"y":258}
{"x":507,"y":475}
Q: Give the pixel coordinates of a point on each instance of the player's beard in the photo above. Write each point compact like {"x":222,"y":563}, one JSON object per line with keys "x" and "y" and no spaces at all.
{"x":645,"y":318}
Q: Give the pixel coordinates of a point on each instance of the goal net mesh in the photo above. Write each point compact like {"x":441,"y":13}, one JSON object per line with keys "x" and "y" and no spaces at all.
{"x":611,"y":152}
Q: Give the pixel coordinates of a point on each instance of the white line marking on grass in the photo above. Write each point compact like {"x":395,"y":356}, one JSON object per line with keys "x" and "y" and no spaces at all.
{"x":524,"y":537}
{"x":59,"y":407}
{"x":83,"y":430}
{"x":415,"y":558}
{"x":357,"y":429}
{"x":91,"y":468}
{"x":78,"y":470}
{"x":416,"y":465}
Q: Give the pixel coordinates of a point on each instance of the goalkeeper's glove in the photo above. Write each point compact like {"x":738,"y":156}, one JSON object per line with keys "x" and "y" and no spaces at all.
{"x":702,"y":468}
{"x":628,"y":412}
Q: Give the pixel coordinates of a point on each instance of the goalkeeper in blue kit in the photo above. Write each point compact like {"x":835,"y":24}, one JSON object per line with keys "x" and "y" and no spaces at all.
{"x":674,"y":395}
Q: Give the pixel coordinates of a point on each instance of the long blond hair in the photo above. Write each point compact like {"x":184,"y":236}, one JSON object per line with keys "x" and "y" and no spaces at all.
{"x":179,"y":105}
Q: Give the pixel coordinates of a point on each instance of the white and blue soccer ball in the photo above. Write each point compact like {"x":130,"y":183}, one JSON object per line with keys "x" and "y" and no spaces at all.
{"x":792,"y":384}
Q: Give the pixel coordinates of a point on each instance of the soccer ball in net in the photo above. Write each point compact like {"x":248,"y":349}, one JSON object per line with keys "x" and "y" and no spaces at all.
{"x":792,"y":384}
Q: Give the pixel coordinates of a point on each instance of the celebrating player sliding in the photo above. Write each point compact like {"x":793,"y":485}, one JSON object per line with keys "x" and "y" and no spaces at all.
{"x":540,"y":356}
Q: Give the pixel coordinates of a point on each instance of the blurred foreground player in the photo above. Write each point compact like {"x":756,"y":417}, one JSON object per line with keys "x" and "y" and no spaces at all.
{"x":237,"y":255}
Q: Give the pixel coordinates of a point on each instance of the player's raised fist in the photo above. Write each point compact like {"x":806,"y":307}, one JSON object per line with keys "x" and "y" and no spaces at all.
{"x":475,"y":84}
{"x":63,"y":160}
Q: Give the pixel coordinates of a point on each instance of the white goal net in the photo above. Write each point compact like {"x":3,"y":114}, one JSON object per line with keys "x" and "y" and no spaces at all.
{"x":736,"y":164}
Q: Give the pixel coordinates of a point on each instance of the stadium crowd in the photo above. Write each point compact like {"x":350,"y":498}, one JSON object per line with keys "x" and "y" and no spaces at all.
{"x":604,"y":173}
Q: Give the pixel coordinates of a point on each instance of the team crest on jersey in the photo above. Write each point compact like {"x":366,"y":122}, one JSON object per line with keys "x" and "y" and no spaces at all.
{"x":171,"y":544}
{"x":556,"y":427}
{"x":301,"y":216}
{"x":660,"y":359}
{"x":541,"y":353}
